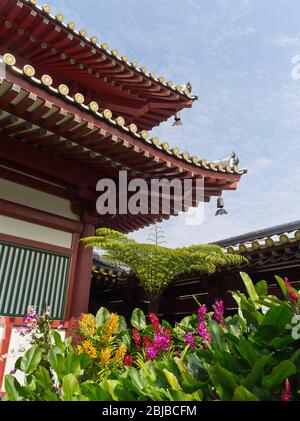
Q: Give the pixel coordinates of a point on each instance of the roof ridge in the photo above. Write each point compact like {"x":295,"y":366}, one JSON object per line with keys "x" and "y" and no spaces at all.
{"x":260,"y":234}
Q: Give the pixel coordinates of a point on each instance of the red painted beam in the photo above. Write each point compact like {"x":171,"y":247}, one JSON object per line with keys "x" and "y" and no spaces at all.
{"x":36,"y":216}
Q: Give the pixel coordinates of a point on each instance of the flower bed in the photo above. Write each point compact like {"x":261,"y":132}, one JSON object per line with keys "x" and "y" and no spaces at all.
{"x":252,"y":355}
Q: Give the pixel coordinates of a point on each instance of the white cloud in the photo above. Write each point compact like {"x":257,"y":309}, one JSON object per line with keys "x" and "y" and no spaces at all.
{"x":285,"y":40}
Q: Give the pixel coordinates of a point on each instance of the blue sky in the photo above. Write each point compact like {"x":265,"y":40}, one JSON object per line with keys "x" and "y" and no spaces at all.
{"x":237,"y":55}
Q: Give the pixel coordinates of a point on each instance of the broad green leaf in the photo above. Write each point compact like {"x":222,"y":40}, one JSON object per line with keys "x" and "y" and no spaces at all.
{"x":57,"y":362}
{"x":274,"y":323}
{"x":249,"y":312}
{"x":224,"y":382}
{"x":282,"y":286}
{"x":178,"y":396}
{"x":43,"y":378}
{"x":249,"y":286}
{"x":70,"y":386}
{"x":122,"y":324}
{"x":196,"y":362}
{"x":217,"y":336}
{"x":261,"y":288}
{"x":172,"y":380}
{"x":102,"y":316}
{"x":110,"y":386}
{"x":138,"y":379}
{"x":247,"y":351}
{"x":72,"y":364}
{"x":183,"y":369}
{"x":185,"y":322}
{"x":242,"y":394}
{"x":282,"y":341}
{"x":279,"y":373}
{"x":227,"y":361}
{"x":257,"y":371}
{"x":13,"y":388}
{"x":123,"y":394}
{"x":50,"y":396}
{"x":138,"y":319}
{"x":295,"y":355}
{"x":94,"y":392}
{"x":58,"y":341}
{"x":31,"y":359}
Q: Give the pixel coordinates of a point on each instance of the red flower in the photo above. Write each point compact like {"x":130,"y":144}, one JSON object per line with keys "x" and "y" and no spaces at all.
{"x":128,"y":360}
{"x":293,"y":296}
{"x":155,"y":322}
{"x":286,"y":395}
{"x":136,"y":338}
{"x":167,"y":334}
{"x":146,"y":341}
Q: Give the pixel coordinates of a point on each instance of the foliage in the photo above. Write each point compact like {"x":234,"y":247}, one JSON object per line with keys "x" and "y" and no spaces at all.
{"x":156,"y":266}
{"x":250,"y":356}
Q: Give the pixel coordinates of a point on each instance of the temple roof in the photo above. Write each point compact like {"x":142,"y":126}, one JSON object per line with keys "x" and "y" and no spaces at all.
{"x":47,"y":42}
{"x":92,"y":109}
{"x":285,"y":234}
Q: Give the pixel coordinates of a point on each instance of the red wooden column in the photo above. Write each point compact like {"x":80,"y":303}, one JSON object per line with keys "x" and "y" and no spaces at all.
{"x":82,"y":284}
{"x":8,"y":325}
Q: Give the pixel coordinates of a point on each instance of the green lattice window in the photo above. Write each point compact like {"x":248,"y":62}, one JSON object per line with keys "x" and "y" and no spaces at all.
{"x":30,"y":276}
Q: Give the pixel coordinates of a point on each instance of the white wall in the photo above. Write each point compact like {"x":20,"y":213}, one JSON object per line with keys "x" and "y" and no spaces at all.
{"x":34,"y":232}
{"x":17,"y":193}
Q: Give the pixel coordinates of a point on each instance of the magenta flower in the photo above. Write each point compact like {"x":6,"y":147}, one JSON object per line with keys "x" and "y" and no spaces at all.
{"x":202,"y":310}
{"x":203,"y":332}
{"x":292,"y":295}
{"x":286,"y":395}
{"x":161,"y":342}
{"x":219,"y":311}
{"x":151,"y":352}
{"x":189,"y":339}
{"x":31,"y":320}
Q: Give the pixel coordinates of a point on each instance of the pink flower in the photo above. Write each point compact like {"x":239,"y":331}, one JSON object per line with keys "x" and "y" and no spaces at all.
{"x":128,"y":360}
{"x":293,"y":296}
{"x":202,"y":310}
{"x":203,"y":332}
{"x":151,"y":352}
{"x":155,"y":322}
{"x":161,"y":342}
{"x":219,"y":311}
{"x":30,"y":320}
{"x":189,"y":339}
{"x":286,"y":395}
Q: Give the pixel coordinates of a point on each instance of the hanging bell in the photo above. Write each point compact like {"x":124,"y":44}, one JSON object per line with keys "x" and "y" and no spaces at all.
{"x":220,"y":206}
{"x":177,"y":119}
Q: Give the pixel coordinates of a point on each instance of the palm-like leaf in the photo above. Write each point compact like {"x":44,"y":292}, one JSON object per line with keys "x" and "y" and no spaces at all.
{"x":156,"y":266}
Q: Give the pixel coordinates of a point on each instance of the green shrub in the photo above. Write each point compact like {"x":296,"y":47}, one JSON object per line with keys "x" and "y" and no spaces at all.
{"x":252,"y":355}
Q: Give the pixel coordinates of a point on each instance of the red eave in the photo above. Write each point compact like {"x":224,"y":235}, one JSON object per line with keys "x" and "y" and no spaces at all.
{"x":43,"y":131}
{"x":36,"y":37}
